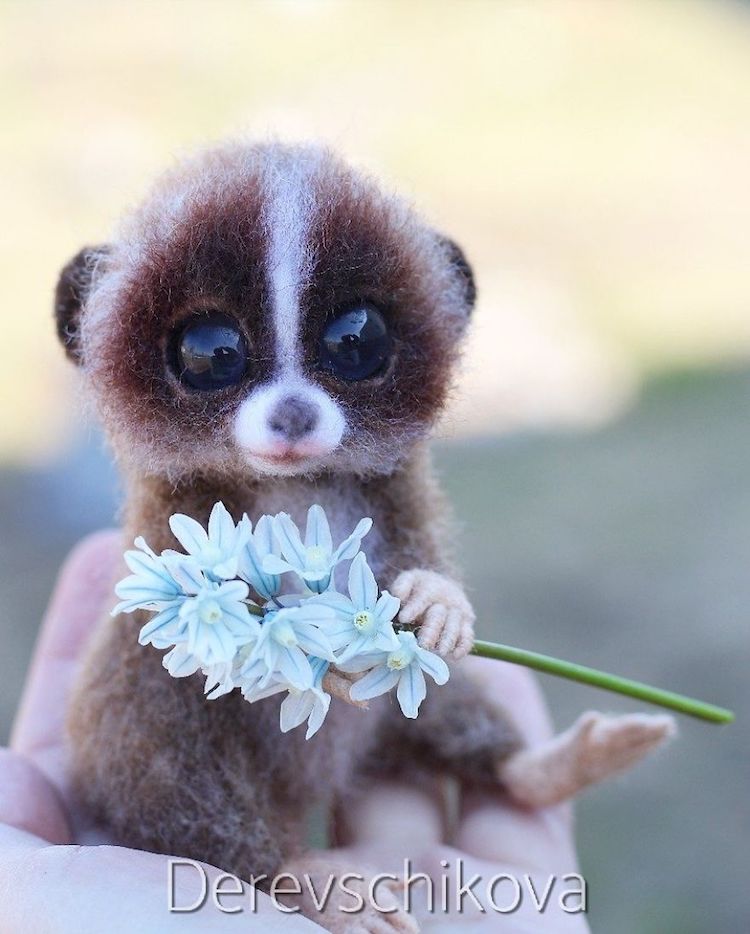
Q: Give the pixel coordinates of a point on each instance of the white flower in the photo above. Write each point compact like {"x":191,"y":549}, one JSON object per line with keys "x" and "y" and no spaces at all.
{"x":311,"y":705}
{"x":218,"y":622}
{"x":256,"y":682}
{"x":216,"y":552}
{"x":404,"y":667}
{"x":315,"y":559}
{"x":210,"y":619}
{"x":201,"y":606}
{"x":259,"y":545}
{"x":363,"y":621}
{"x":286,"y":638}
{"x":219,"y":676}
{"x":150,"y":586}
{"x":180,"y":663}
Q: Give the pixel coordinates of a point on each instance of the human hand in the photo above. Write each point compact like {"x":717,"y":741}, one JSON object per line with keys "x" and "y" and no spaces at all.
{"x":49,"y":882}
{"x":488,"y":834}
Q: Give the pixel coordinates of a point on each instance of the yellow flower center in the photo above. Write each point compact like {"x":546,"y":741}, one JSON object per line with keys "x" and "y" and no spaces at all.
{"x":364,"y":621}
{"x":398,"y":660}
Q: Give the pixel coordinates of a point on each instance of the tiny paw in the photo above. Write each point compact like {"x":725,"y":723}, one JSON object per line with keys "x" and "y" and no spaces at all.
{"x":437,"y":606}
{"x":371,"y":921}
{"x":389,"y":917}
{"x":595,"y":747}
{"x":607,"y":744}
{"x":338,"y":684}
{"x":378,"y":901}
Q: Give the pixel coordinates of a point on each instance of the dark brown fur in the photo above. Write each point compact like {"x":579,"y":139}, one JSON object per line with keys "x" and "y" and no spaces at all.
{"x":70,"y":297}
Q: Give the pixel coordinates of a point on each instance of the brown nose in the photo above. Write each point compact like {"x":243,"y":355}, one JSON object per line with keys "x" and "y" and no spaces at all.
{"x":293,"y":418}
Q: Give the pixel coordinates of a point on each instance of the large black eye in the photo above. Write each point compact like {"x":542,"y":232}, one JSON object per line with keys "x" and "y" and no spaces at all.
{"x":356,"y":344}
{"x":210,"y":352}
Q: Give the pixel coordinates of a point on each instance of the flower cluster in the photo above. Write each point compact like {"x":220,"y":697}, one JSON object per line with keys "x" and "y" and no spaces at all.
{"x":257,"y":609}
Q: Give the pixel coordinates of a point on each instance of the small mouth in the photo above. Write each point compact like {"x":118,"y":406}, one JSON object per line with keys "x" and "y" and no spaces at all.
{"x":287,"y":460}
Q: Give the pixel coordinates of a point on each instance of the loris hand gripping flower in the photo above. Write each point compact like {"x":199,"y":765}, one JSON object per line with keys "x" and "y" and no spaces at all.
{"x":271,"y":331}
{"x":205,"y":619}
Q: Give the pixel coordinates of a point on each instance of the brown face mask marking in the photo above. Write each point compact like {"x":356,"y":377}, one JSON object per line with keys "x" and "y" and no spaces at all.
{"x":199,"y":242}
{"x":369,"y":248}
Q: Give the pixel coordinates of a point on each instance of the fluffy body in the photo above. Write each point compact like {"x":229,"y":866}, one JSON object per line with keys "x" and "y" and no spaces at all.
{"x":279,"y":238}
{"x":165,"y":769}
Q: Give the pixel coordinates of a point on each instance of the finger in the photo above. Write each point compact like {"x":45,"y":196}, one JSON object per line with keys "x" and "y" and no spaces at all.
{"x":420,"y":598}
{"x":490,"y":826}
{"x":514,"y":691}
{"x":69,"y":889}
{"x":522,"y":911}
{"x":391,"y":820}
{"x":450,"y":633}
{"x":465,"y":640}
{"x":415,"y":606}
{"x":29,"y":802}
{"x":403,"y":585}
{"x":432,"y":626}
{"x":82,"y":592}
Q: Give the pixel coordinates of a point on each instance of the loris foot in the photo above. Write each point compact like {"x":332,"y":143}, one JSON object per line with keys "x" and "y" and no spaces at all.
{"x":382,"y":909}
{"x":438,"y":606}
{"x":373,"y":921}
{"x":595,"y":747}
{"x":339,"y":683}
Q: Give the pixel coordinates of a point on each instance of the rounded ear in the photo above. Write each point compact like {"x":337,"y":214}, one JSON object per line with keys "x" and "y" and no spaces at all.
{"x":71,"y":293}
{"x":463,"y":270}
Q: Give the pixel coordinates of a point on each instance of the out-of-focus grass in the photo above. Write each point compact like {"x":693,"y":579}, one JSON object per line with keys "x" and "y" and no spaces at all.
{"x":627,"y":549}
{"x":591,"y":157}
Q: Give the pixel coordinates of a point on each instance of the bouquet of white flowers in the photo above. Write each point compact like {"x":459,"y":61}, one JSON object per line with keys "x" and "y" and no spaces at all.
{"x":223,"y":608}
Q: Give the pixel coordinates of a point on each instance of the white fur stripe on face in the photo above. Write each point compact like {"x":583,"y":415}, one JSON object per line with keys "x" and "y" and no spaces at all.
{"x":288,"y":212}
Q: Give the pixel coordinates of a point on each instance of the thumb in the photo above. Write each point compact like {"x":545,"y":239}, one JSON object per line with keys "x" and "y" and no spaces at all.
{"x":79,"y":600}
{"x":29,"y":802}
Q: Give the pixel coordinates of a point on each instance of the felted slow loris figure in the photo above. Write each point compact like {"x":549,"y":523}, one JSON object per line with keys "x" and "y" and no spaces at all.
{"x":271,"y":330}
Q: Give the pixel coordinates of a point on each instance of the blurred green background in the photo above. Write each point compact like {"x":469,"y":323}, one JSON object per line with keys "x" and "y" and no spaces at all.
{"x":592,"y":158}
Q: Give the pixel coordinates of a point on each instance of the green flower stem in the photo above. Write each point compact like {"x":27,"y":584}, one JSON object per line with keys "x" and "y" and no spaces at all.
{"x":600,"y":679}
{"x":590,"y":676}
